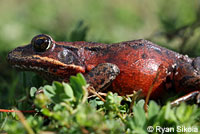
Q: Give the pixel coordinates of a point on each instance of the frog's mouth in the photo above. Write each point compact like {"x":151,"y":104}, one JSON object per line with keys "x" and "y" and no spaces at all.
{"x":29,"y":61}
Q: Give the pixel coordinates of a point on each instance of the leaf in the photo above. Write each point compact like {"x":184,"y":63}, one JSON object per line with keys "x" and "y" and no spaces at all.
{"x":140,"y":103}
{"x":180,"y":112}
{"x":170,"y":114}
{"x":161,"y":116}
{"x":46,"y":112}
{"x":184,"y":113}
{"x":96,"y":102}
{"x":81,"y":79}
{"x":58,"y":92}
{"x":58,"y":87}
{"x":113,"y":101}
{"x":49,"y":91}
{"x":68,"y":90}
{"x":139,"y":130}
{"x":153,"y":109}
{"x":33,"y":91}
{"x":139,"y":116}
{"x":167,"y":111}
{"x":77,"y":83}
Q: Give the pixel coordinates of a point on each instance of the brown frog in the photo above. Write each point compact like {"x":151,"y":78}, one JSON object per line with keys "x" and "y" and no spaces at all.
{"x":120,"y":67}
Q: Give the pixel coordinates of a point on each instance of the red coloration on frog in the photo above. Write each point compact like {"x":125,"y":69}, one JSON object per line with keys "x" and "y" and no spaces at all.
{"x":121,"y":67}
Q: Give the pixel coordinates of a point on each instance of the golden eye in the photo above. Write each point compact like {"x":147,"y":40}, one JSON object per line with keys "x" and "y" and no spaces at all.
{"x":41,"y":42}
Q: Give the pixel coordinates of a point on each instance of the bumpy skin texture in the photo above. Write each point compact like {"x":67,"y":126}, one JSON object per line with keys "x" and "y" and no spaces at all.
{"x":138,"y":62}
{"x":101,"y":76}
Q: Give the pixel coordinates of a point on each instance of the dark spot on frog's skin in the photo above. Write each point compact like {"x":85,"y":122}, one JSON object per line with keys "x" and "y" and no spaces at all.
{"x":74,"y":49}
{"x":108,"y":50}
{"x":137,"y":46}
{"x":167,"y":53}
{"x":102,"y":81}
{"x":94,"y":79}
{"x":100,"y":50}
{"x":91,"y":74}
{"x":96,"y":49}
{"x":144,"y":56}
{"x":98,"y":73}
{"x":104,"y":69}
{"x":141,"y":44}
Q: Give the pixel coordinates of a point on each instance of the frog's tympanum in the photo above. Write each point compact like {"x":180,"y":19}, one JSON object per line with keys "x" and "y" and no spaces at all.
{"x":120,"y":67}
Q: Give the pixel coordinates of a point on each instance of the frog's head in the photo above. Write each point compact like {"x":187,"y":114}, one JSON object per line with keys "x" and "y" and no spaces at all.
{"x":48,"y":57}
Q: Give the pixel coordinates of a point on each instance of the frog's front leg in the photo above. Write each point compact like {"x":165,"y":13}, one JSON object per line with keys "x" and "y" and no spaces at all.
{"x":101,"y":76}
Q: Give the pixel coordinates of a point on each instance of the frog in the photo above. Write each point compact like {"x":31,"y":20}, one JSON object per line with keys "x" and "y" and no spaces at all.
{"x":122,"y":67}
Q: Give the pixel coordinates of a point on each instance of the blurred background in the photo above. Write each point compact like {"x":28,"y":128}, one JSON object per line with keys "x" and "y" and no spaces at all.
{"x":173,"y":24}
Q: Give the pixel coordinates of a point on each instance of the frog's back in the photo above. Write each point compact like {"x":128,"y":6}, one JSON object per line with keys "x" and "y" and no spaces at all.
{"x":138,"y":62}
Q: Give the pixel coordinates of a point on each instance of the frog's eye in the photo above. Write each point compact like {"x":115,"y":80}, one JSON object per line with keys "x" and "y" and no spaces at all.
{"x":41,"y":43}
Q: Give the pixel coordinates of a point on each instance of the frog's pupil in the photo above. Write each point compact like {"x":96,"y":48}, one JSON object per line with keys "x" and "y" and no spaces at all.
{"x":41,"y":44}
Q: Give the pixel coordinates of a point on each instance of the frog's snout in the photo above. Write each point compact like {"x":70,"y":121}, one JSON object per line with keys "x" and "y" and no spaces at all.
{"x":10,"y":56}
{"x":13,"y":55}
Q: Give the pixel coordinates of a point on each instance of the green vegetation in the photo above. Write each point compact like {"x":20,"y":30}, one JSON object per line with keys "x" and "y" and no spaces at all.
{"x":64,"y":108}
